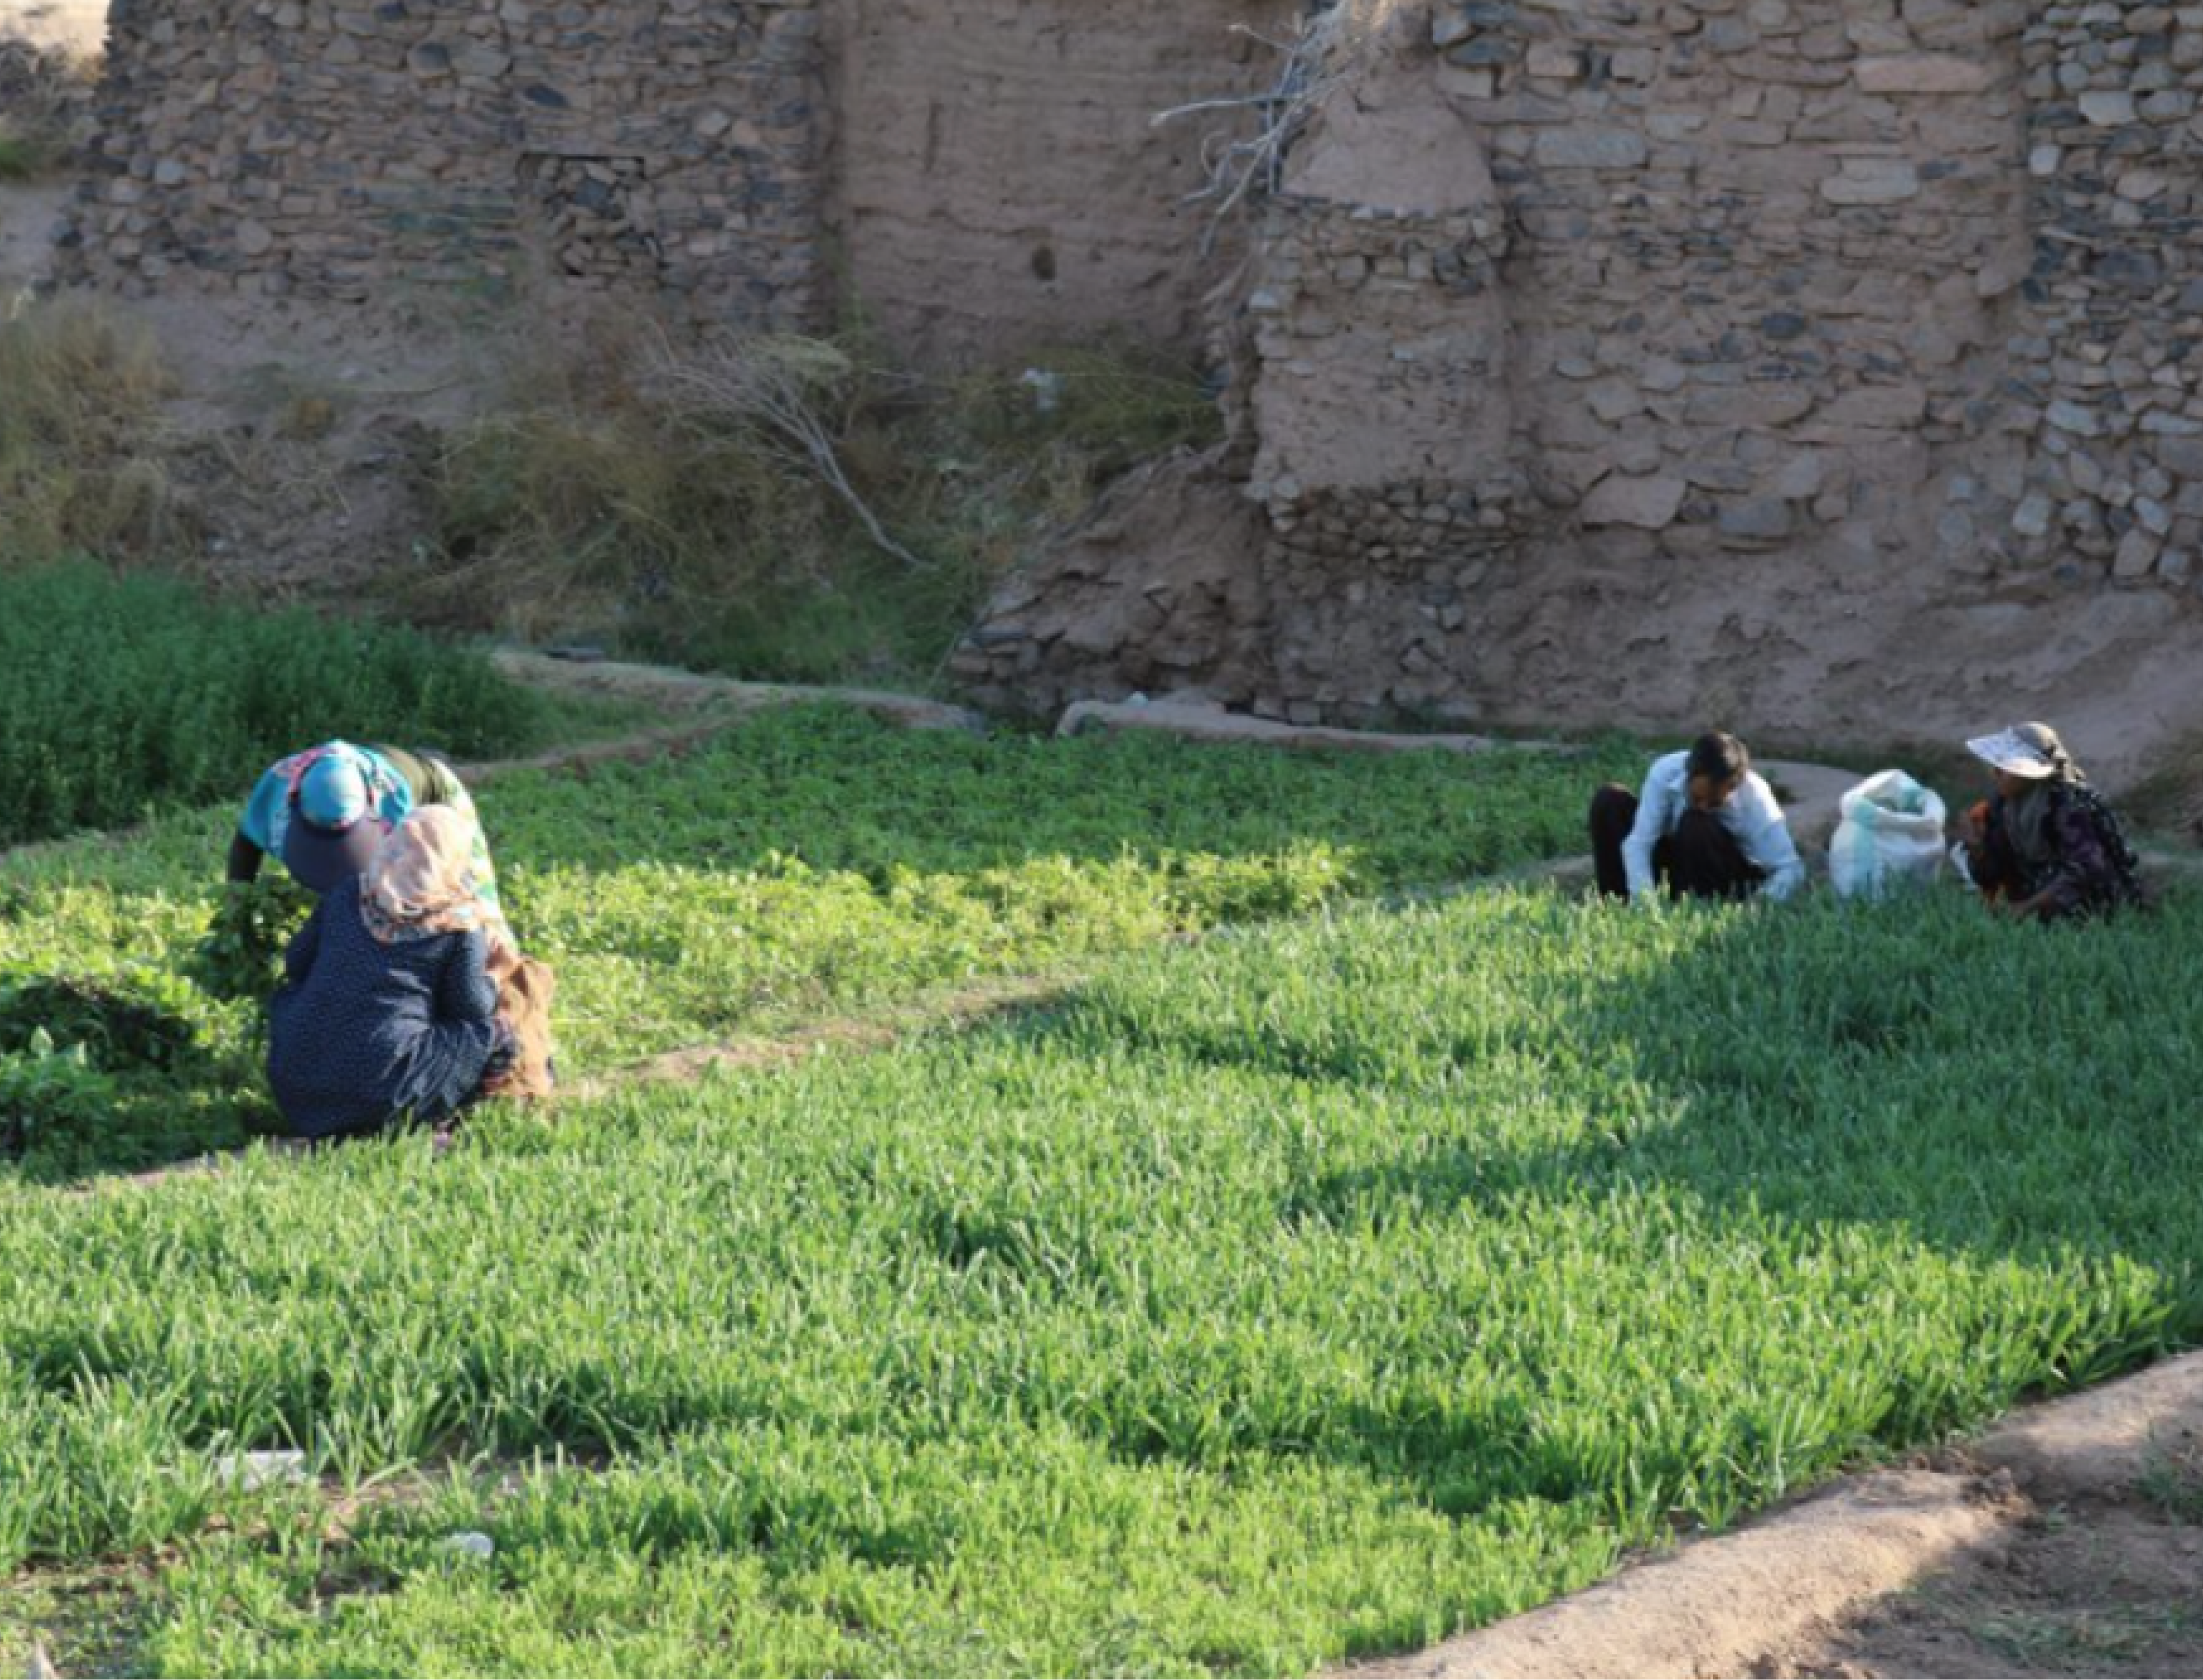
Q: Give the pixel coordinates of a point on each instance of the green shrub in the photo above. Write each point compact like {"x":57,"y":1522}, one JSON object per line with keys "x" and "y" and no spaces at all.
{"x":240,"y":960}
{"x":22,"y":159}
{"x":119,"y":696}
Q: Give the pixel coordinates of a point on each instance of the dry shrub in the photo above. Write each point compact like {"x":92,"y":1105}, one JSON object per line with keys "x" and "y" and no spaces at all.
{"x":790,"y":402}
{"x":45,"y":105}
{"x":77,"y":469}
{"x":788,"y":508}
{"x":1244,"y":155}
{"x":578,"y":504}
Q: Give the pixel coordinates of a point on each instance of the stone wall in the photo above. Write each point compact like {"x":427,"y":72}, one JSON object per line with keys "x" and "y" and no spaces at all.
{"x":994,"y":182}
{"x":1703,"y":313}
{"x":2108,"y":368}
{"x":357,"y":149}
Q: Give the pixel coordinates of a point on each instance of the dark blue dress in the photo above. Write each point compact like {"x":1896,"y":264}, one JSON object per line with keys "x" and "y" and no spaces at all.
{"x":365,"y":1031}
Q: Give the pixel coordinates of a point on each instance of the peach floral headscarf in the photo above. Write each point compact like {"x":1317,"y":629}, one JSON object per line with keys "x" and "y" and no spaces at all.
{"x":421,"y":882}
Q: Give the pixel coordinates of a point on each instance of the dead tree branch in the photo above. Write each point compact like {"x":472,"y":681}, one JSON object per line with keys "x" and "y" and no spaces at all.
{"x":779,"y":393}
{"x":1244,"y":168}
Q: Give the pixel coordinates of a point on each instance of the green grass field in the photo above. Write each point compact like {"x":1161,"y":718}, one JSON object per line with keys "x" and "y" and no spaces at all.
{"x":1310,"y":1293}
{"x":1357,"y":1272}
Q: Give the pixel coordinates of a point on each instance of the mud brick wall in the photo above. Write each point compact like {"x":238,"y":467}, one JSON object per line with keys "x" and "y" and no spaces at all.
{"x":350,"y":149}
{"x":998,"y":184}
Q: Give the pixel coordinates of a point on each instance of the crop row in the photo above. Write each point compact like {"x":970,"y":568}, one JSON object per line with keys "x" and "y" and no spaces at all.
{"x":806,"y":862}
{"x":123,"y":696}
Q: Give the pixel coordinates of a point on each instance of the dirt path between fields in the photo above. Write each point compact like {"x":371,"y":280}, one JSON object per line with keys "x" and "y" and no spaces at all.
{"x":957,"y":1008}
{"x":2068,"y":1541}
{"x":688,"y":691}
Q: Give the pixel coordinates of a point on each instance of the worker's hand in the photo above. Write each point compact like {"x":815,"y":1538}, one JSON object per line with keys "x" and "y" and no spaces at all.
{"x":1972,"y":830}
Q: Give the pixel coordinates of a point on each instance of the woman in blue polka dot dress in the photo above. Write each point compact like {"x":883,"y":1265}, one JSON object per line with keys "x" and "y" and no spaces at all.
{"x":389,"y":1011}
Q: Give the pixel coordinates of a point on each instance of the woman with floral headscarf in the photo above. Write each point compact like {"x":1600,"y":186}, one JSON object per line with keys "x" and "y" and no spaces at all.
{"x":390,"y":1010}
{"x":2047,"y":846}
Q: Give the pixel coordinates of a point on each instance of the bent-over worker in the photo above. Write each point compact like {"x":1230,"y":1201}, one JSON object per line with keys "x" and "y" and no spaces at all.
{"x":323,"y":813}
{"x":1706,"y":826}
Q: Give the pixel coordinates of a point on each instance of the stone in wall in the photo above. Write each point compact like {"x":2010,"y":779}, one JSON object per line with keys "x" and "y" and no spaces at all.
{"x":2108,"y":363}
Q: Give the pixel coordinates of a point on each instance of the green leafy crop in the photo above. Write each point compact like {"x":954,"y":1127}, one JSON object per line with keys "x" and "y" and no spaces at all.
{"x":241,"y":956}
{"x":119,"y":696}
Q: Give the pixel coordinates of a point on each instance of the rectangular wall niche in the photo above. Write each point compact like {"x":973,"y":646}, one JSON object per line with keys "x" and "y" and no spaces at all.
{"x":592,"y":219}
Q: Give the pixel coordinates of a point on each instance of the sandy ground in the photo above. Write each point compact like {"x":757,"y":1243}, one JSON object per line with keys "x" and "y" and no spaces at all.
{"x":73,"y":25}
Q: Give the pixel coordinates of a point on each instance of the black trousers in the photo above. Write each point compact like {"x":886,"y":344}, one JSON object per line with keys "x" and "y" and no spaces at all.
{"x":1700,"y":859}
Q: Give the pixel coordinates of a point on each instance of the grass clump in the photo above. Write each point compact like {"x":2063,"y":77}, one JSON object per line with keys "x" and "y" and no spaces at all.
{"x":78,"y":470}
{"x":1306,"y":1294}
{"x":45,"y":99}
{"x":641,"y":496}
{"x":2172,"y":1480}
{"x":119,"y":696}
{"x":22,"y":159}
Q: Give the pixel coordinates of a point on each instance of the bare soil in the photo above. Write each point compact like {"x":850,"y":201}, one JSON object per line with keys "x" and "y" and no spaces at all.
{"x":67,"y":25}
{"x":28,"y":212}
{"x":300,"y":444}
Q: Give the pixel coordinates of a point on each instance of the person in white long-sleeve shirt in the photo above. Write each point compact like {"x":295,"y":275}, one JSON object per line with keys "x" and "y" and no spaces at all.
{"x":1707,"y":825}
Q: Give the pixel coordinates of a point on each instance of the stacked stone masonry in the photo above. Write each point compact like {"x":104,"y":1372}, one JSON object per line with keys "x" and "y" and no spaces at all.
{"x":1860,"y":277}
{"x":985,"y":171}
{"x":350,"y":149}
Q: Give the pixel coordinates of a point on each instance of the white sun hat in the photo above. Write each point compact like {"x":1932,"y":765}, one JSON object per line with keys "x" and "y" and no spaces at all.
{"x":2028,"y":750}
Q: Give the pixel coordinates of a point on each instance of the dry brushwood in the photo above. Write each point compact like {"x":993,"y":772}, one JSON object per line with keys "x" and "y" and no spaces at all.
{"x":779,"y":393}
{"x":1243,"y":170}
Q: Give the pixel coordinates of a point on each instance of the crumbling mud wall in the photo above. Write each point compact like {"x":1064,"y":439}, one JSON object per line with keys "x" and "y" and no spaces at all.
{"x":998,"y":182}
{"x":361,"y":149}
{"x":1767,"y":358}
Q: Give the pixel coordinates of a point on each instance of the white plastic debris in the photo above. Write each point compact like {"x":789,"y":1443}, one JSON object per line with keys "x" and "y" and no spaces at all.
{"x":1047,"y":387}
{"x":468,"y":1544}
{"x":255,"y":1470}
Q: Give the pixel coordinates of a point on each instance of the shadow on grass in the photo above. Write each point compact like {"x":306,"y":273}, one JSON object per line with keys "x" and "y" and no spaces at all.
{"x":2002,"y":1115}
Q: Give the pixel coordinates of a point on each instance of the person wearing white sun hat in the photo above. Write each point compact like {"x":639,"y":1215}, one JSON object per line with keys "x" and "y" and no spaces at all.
{"x":2047,"y":846}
